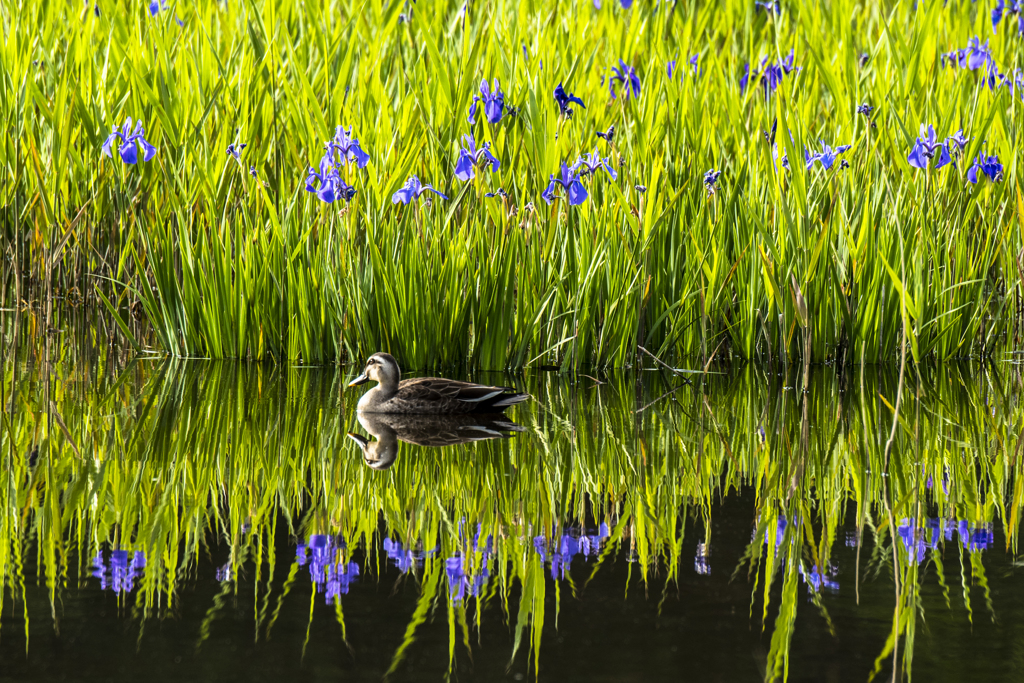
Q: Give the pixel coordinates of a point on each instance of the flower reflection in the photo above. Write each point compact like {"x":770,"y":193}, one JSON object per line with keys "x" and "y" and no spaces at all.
{"x":779,"y":532}
{"x":404,"y":559}
{"x":821,"y":580}
{"x":701,"y":561}
{"x":469,"y":572}
{"x":567,"y":546}
{"x":328,"y":571}
{"x":918,"y":538}
{"x":118,"y":574}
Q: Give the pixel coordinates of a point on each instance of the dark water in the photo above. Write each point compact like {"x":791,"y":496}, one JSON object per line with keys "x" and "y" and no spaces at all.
{"x":202,"y":521}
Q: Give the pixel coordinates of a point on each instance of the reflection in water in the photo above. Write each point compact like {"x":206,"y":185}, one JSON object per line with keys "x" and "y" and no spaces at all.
{"x":468,"y":572}
{"x":425,"y":430}
{"x":116,"y":571}
{"x":609,"y":493}
{"x":328,"y":569}
{"x":819,"y":580}
{"x":917,"y":539}
{"x":567,"y":546}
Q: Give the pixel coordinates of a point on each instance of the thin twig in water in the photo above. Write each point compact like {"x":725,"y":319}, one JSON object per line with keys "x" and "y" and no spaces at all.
{"x":665,"y":365}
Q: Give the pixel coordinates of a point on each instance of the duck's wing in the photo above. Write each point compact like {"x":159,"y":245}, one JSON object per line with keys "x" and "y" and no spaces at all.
{"x":460,"y":396}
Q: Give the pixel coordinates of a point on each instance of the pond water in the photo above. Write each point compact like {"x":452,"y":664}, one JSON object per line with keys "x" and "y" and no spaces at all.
{"x":213,"y":521}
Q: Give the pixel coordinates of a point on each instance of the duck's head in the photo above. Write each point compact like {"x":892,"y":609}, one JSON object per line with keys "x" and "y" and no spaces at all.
{"x":378,"y":455}
{"x":382,"y":368}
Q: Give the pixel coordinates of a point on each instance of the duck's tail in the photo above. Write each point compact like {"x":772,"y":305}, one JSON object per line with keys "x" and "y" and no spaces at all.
{"x":510,"y":399}
{"x":490,"y":399}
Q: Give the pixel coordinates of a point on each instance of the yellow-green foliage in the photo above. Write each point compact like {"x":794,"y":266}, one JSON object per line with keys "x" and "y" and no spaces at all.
{"x":227,"y":265}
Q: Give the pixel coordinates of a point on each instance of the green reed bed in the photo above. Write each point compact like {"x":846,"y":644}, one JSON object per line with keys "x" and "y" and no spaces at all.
{"x":176,"y":462}
{"x":225,"y":263}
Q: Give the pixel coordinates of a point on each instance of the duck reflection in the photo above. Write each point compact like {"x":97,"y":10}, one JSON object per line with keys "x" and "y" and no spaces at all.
{"x":425,"y":430}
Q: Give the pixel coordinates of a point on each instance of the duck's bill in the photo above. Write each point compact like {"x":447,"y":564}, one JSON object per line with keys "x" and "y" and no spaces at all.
{"x":361,"y":379}
{"x":358,"y":438}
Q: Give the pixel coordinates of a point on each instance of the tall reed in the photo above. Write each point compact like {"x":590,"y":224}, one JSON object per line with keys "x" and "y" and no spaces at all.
{"x":226,"y":264}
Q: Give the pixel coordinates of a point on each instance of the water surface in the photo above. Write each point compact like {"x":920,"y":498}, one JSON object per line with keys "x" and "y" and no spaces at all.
{"x":212,"y":521}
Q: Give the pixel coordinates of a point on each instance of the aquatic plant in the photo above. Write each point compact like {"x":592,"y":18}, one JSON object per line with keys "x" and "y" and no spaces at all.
{"x":197,"y":257}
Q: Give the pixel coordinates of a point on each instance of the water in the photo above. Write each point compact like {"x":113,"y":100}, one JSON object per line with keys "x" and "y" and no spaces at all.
{"x":212,"y":521}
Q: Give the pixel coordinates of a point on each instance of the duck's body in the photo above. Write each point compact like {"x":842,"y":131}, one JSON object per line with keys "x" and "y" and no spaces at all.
{"x":427,"y":395}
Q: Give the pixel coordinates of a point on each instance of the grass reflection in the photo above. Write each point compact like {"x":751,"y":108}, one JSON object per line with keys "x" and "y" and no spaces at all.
{"x":125,"y":474}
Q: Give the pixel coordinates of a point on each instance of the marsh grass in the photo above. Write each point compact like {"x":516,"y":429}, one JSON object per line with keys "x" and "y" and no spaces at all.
{"x":229,"y":266}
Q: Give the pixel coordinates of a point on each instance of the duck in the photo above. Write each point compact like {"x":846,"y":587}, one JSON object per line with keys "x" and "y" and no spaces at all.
{"x":427,"y":395}
{"x":425,"y":430}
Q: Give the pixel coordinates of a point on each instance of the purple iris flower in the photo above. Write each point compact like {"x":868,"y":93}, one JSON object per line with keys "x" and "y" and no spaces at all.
{"x":347,"y":148}
{"x":988,"y":165}
{"x":626,"y":75}
{"x":954,"y":57}
{"x":95,"y":9}
{"x":994,"y":78}
{"x":235,"y":150}
{"x":1015,"y":82}
{"x":608,"y":136}
{"x":132,"y":142}
{"x":470,"y":157}
{"x":865,"y":109}
{"x":957,"y":142}
{"x":711,"y":180}
{"x":1004,"y":8}
{"x":252,"y":172}
{"x":978,"y":55}
{"x":570,"y":181}
{"x":494,"y":103}
{"x":693,"y":61}
{"x":413,"y":189}
{"x":157,"y":6}
{"x":588,"y":164}
{"x":863,"y":59}
{"x":925,"y":148}
{"x":564,"y":100}
{"x":332,"y":187}
{"x":770,"y":137}
{"x":828,"y":156}
{"x":772,"y":8}
{"x":770,"y":73}
{"x":626,"y":4}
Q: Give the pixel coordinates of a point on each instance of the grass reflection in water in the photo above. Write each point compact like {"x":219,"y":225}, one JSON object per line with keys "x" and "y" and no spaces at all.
{"x":128,"y":477}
